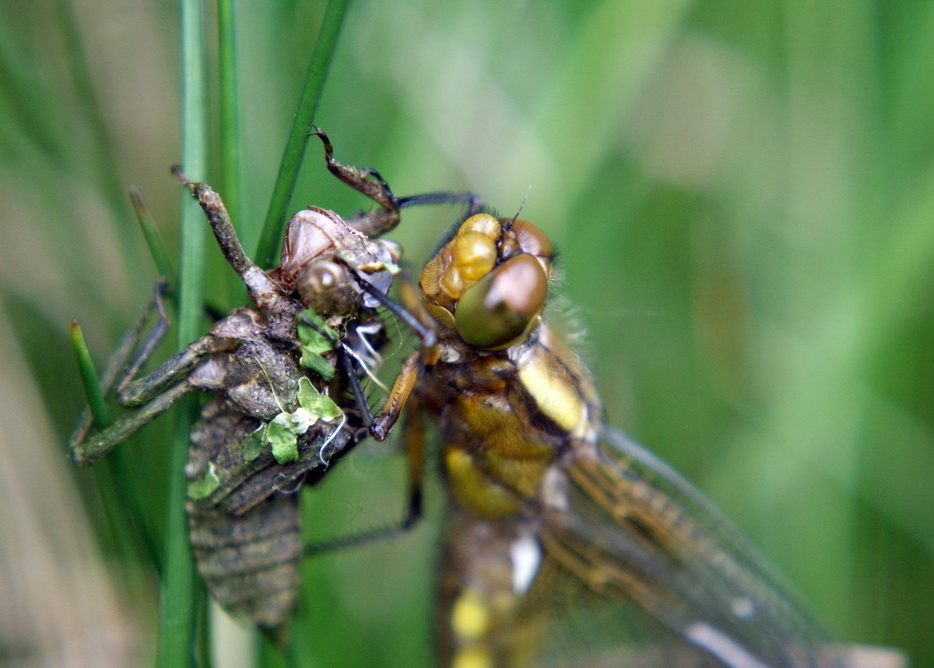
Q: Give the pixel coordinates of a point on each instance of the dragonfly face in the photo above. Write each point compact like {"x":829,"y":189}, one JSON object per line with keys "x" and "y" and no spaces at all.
{"x":544,"y":494}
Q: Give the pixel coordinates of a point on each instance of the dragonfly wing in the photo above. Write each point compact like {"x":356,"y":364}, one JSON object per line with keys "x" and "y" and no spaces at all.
{"x":631,"y":528}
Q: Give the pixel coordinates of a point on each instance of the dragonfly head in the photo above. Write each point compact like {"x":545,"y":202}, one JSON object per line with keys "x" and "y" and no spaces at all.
{"x":319,"y":254}
{"x":489,"y":283}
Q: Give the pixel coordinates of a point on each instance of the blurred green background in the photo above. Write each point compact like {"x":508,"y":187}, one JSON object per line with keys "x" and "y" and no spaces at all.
{"x":742,"y":194}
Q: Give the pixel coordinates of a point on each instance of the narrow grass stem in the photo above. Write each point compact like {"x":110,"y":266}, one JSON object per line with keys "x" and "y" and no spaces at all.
{"x":89,"y":377}
{"x":179,"y":594}
{"x":325,"y":45}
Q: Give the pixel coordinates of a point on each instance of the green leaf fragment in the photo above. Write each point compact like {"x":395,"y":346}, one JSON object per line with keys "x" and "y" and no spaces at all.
{"x":315,"y":342}
{"x":314,"y":362}
{"x":204,"y":486}
{"x":253,"y":446}
{"x":318,"y":337}
{"x":321,"y":406}
{"x":282,"y":440}
{"x":282,"y":432}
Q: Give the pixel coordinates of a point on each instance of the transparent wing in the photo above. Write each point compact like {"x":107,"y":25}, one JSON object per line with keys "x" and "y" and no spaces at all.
{"x":632,"y":529}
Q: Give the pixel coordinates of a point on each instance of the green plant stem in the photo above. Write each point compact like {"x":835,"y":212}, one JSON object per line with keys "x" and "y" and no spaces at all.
{"x":176,"y":639}
{"x":92,"y":385}
{"x":271,"y":238}
{"x":160,"y":256}
{"x":229,"y":106}
{"x":89,"y":109}
{"x":231,"y":138}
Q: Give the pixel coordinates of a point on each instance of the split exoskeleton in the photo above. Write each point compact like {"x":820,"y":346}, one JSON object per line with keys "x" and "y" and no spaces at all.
{"x":279,"y":370}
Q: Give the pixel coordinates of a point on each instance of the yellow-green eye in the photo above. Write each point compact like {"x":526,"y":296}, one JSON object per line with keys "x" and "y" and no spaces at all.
{"x":503,"y":307}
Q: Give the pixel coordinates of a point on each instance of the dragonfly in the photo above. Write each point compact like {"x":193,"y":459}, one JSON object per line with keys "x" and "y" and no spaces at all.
{"x":552,"y":510}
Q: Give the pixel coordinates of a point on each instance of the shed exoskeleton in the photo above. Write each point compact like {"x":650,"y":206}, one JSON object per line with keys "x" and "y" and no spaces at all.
{"x":280,"y":370}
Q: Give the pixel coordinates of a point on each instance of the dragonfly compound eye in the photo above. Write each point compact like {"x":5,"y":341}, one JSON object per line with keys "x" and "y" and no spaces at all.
{"x":502,"y":308}
{"x":327,"y":288}
{"x":524,"y":237}
{"x":473,"y":254}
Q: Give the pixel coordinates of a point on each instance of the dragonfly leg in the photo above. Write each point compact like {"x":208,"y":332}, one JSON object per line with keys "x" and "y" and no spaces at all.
{"x":367,"y":182}
{"x":131,"y":353}
{"x":429,"y":342}
{"x":475,"y":203}
{"x":174,"y":369}
{"x":415,"y":450}
{"x":263,"y":290}
{"x":414,"y":435}
{"x":128,"y":368}
{"x":398,"y":397}
{"x":350,"y":363}
{"x":86,"y":451}
{"x":149,"y":396}
{"x":350,"y":373}
{"x":413,"y":364}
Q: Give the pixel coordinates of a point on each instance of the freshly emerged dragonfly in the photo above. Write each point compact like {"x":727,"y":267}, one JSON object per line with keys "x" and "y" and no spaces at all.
{"x":280,"y":411}
{"x":551,"y":510}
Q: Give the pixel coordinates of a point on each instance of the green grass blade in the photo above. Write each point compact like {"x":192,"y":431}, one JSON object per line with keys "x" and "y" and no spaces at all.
{"x":231,"y":149}
{"x":89,"y":378}
{"x":26,"y":106}
{"x":325,"y":45}
{"x":160,"y":256}
{"x":231,"y":136}
{"x":89,"y":109}
{"x":176,"y":640}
